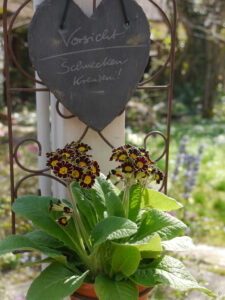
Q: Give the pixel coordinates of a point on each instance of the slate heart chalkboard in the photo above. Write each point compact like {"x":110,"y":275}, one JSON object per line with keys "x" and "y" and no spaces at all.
{"x":94,"y":63}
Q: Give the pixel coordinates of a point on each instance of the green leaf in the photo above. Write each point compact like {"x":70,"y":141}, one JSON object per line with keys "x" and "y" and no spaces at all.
{"x":156,"y":221}
{"x":55,"y":282}
{"x":135,"y":201}
{"x":24,"y":242}
{"x":43,"y":239}
{"x":157,"y":200}
{"x":84,"y":204}
{"x":169,"y":271}
{"x":121,"y":194}
{"x":112,"y":228}
{"x":107,"y":289}
{"x":125,"y":259}
{"x":114,"y":205}
{"x":86,"y":224}
{"x":106,"y":185}
{"x":36,"y":209}
{"x":47,"y":260}
{"x":178,"y":244}
{"x":151,"y":249}
{"x":98,"y":199}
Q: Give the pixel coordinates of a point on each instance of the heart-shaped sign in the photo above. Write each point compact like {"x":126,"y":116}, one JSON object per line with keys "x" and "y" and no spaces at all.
{"x":93,"y":64}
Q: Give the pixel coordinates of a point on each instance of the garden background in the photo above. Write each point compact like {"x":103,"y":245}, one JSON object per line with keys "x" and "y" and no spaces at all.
{"x":198,"y":121}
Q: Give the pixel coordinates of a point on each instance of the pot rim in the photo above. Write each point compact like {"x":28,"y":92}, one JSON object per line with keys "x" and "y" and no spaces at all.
{"x":83,"y":297}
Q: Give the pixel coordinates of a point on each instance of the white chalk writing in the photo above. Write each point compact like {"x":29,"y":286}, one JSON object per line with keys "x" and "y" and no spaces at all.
{"x":74,"y":40}
{"x":82,"y":80}
{"x":94,"y":65}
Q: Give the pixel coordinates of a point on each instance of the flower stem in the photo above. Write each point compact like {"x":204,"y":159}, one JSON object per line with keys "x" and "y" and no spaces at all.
{"x":126,"y":199}
{"x":77,"y":220}
{"x":83,"y":255}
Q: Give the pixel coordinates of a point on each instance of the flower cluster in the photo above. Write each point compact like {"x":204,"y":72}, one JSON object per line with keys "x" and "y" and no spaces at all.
{"x":136,"y":166}
{"x":72,"y":163}
{"x":64,"y":208}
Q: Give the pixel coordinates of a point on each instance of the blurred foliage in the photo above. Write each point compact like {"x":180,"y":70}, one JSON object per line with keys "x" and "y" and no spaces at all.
{"x":204,"y":211}
{"x":17,"y":79}
{"x":9,"y":261}
{"x":201,"y":56}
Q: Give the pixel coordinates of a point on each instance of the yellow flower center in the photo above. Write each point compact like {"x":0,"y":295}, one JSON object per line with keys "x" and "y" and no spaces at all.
{"x":81,"y":149}
{"x":134,"y":156}
{"x":140,"y":164}
{"x":63,"y":170}
{"x":157,"y":177}
{"x":128,"y":168}
{"x":82,"y":163}
{"x":66,"y":154}
{"x":93,"y":169}
{"x":63,"y":220}
{"x":122,"y":157}
{"x":87,"y":179}
{"x":54,"y":162}
{"x":75,"y":174}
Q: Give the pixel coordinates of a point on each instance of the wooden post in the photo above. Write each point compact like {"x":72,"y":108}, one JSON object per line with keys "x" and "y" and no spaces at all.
{"x":67,"y":130}
{"x":43,"y":130}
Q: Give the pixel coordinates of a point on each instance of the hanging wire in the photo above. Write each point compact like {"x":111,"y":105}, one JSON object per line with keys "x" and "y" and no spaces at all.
{"x":64,"y":14}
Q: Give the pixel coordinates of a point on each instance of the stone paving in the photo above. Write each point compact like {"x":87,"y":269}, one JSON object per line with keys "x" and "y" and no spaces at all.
{"x":208,"y":266}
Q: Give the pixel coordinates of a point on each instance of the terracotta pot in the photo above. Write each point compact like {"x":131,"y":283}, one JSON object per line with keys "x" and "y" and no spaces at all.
{"x":87,"y":292}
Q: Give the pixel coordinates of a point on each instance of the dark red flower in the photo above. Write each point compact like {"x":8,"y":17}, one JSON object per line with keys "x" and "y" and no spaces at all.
{"x":141,"y":163}
{"x":113,"y":156}
{"x":67,"y":210}
{"x":60,"y":206}
{"x":134,"y":153}
{"x":114,"y":175}
{"x":118,"y":149}
{"x":63,"y":169}
{"x":158,"y":176}
{"x":50,"y":154}
{"x":63,"y":221}
{"x":72,"y":145}
{"x":67,"y":153}
{"x":94,"y":167}
{"x":146,"y":154}
{"x":87,"y":180}
{"x":83,"y":161}
{"x":53,"y":160}
{"x":127,"y":146}
{"x":82,"y":148}
{"x":76,"y":174}
{"x":127,"y":167}
{"x":122,"y":156}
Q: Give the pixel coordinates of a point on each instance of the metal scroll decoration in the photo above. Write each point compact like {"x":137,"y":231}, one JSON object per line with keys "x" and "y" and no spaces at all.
{"x":91,"y":64}
{"x":145,"y":85}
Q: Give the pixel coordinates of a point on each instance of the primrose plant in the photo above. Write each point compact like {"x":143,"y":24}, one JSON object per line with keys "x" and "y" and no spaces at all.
{"x":116,"y":239}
